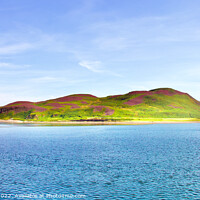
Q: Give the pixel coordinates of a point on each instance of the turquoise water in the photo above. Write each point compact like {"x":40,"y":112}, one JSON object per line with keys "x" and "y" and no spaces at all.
{"x":100,"y":162}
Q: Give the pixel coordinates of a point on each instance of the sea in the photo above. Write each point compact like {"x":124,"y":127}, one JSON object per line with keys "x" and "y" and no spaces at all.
{"x":157,"y":161}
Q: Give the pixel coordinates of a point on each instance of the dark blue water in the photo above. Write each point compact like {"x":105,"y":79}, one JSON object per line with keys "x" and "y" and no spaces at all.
{"x":100,"y":162}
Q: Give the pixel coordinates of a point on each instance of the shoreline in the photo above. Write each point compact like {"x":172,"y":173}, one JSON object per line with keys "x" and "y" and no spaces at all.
{"x":136,"y":122}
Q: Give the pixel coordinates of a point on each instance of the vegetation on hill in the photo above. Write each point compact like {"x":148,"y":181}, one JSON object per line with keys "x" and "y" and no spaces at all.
{"x":157,"y":104}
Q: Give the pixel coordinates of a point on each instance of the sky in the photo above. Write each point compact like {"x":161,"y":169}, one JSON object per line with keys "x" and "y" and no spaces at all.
{"x":54,"y":48}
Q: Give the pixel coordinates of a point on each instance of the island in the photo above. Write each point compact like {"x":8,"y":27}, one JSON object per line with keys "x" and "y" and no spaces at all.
{"x":162,"y":105}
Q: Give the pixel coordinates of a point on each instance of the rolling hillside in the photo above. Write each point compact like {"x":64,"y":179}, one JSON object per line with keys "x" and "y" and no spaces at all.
{"x":157,"y":104}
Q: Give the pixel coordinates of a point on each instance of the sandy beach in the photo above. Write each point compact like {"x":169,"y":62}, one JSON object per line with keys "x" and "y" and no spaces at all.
{"x":137,"y":122}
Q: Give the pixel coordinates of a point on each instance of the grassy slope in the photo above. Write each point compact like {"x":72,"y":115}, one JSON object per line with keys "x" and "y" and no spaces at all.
{"x":156,"y":106}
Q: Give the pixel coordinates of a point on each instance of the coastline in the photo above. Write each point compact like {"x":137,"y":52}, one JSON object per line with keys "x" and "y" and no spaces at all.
{"x":136,"y":122}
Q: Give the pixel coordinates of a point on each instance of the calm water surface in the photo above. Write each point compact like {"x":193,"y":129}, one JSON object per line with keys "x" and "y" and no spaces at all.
{"x":101,"y":162}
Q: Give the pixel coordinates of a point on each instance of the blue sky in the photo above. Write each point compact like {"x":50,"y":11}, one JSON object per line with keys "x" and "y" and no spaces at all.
{"x":54,"y":48}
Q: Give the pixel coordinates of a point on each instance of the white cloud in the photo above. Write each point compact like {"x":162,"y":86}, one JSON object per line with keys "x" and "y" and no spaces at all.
{"x":94,"y":66}
{"x":12,"y":66}
{"x":15,"y":48}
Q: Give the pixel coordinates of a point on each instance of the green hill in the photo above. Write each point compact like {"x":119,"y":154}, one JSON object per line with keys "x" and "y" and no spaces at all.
{"x":162,"y":103}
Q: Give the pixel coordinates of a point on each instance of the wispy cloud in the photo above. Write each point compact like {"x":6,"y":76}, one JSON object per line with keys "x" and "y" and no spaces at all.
{"x":141,"y":34}
{"x":57,"y":79}
{"x":15,"y":48}
{"x":97,"y":67}
{"x":46,"y":79}
{"x":94,"y":66}
{"x":12,"y":66}
{"x":26,"y":38}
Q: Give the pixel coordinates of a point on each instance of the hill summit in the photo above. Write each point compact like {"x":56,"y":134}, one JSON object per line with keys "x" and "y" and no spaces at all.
{"x":156,"y":103}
